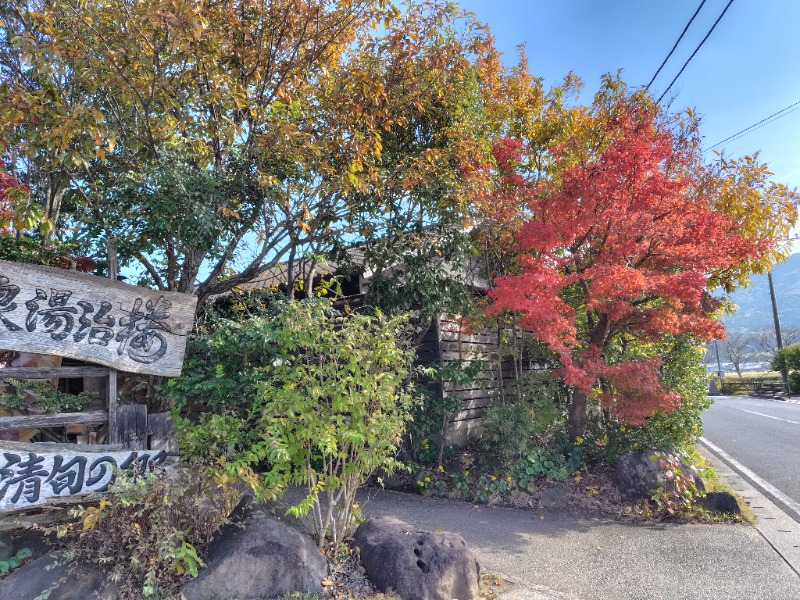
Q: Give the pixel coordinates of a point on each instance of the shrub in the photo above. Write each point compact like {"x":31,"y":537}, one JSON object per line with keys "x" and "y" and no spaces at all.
{"x":326,"y":408}
{"x":682,"y":371}
{"x":44,"y":395}
{"x":149,"y":533}
{"x":678,"y":496}
{"x":794,"y":382}
{"x":507,"y":430}
{"x":224,"y":365}
{"x":533,"y":419}
{"x":787,"y":358}
{"x":431,"y":415}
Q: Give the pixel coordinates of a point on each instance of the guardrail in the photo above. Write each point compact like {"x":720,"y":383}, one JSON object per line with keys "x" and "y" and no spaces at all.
{"x":732,"y":386}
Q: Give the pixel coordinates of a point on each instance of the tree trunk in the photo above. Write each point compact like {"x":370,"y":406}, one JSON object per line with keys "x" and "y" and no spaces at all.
{"x":578,"y":416}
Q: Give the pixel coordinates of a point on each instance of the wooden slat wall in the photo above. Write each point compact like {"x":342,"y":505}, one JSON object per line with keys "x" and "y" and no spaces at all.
{"x":458,"y":342}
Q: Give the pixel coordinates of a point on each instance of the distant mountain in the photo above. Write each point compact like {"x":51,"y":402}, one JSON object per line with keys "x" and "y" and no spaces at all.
{"x":755,"y":308}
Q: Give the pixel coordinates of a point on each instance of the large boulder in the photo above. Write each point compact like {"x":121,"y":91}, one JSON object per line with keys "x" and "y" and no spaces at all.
{"x":418,"y":565}
{"x":63,"y":581}
{"x":258,"y":558}
{"x":638,"y":474}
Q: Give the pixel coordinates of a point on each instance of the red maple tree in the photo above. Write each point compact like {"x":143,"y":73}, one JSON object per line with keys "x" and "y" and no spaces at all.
{"x":618,"y":249}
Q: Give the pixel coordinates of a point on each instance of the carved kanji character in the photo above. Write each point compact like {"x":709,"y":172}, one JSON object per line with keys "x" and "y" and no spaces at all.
{"x":25,"y":474}
{"x":7,"y":305}
{"x":69,"y":475}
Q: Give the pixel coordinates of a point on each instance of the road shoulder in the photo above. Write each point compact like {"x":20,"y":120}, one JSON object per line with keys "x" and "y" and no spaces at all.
{"x":780,"y":530}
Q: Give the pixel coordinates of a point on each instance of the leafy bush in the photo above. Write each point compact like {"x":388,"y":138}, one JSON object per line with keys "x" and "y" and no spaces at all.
{"x":787,"y":358}
{"x":534,"y":419}
{"x":431,"y":415}
{"x":224,"y":364}
{"x":794,"y":382}
{"x":507,"y":430}
{"x":682,"y":371}
{"x":47,"y":397}
{"x":325,"y":405}
{"x":539,"y":463}
{"x":149,"y":533}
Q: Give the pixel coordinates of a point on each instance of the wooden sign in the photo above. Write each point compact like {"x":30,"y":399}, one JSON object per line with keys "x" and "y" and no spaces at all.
{"x":30,"y":476}
{"x":67,"y":313}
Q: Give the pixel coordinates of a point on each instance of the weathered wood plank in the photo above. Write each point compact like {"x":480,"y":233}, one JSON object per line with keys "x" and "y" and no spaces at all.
{"x":475,"y":403}
{"x":67,"y":313}
{"x":111,"y":397}
{"x":161,"y":432}
{"x":37,"y":447}
{"x":51,"y":372}
{"x":466,"y":356}
{"x":56,"y":420}
{"x":469,"y":394}
{"x":453,"y":346}
{"x":470,"y":338}
{"x":32,"y":478}
{"x":476,"y":415}
{"x":131,"y":426}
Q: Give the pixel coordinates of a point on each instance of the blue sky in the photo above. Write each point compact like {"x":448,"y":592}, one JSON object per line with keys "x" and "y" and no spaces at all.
{"x":748,"y":69}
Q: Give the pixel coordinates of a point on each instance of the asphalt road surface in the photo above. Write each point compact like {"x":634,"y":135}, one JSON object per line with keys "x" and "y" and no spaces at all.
{"x":763,"y":439}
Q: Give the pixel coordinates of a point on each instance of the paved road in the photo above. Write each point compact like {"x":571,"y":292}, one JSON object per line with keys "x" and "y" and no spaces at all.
{"x":764,"y":437}
{"x":561,"y":556}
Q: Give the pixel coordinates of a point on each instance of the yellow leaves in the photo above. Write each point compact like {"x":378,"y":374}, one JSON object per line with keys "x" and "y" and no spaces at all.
{"x":93,"y":514}
{"x":760,"y":209}
{"x":228,"y":212}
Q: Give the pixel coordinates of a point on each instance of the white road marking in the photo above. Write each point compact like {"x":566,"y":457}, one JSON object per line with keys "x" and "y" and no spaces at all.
{"x":764,"y":485}
{"x":752,"y":412}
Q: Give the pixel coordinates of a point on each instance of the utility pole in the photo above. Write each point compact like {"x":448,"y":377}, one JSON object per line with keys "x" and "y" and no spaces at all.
{"x":719,"y":364}
{"x":784,"y":372}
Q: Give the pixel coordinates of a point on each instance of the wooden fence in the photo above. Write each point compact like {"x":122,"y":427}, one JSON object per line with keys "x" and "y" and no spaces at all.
{"x":750,"y":386}
{"x":128,"y":426}
{"x":449,"y":341}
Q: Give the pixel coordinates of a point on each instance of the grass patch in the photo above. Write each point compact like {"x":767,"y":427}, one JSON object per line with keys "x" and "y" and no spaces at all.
{"x":713,"y":483}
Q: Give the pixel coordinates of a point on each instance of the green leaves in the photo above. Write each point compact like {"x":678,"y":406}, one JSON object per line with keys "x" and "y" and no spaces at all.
{"x":15,"y":561}
{"x":311,"y":397}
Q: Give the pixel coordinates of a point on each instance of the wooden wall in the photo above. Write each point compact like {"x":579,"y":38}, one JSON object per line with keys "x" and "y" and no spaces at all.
{"x":450,"y":340}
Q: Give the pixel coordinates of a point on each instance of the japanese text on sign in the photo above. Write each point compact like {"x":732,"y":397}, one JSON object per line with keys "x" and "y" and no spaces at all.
{"x":29,"y":478}
{"x":51,"y":311}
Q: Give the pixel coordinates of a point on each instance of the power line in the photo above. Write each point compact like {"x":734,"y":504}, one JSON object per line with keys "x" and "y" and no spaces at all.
{"x":700,"y":45}
{"x":676,"y":44}
{"x":765,"y":121}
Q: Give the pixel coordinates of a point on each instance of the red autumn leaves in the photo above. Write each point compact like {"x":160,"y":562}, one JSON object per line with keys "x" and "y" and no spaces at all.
{"x":620,"y":247}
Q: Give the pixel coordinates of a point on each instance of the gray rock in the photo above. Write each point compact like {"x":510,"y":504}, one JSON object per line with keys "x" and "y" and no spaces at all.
{"x":637,"y":475}
{"x":258,"y":558}
{"x":64,"y":581}
{"x":418,"y":565}
{"x":721,"y":502}
{"x":6,"y":546}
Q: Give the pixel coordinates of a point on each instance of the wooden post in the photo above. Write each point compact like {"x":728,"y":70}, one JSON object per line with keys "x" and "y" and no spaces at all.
{"x":113,"y":433}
